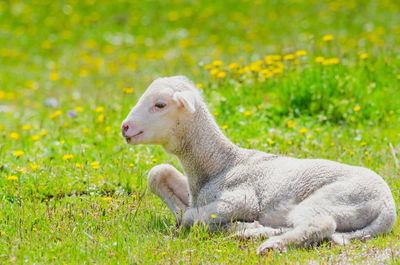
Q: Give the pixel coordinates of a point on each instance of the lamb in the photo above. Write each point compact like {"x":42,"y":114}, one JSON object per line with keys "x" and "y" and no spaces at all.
{"x":289,"y":201}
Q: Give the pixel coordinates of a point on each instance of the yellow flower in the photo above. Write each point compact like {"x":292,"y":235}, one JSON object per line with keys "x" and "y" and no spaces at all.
{"x":127,"y":90}
{"x":208,"y":66}
{"x":224,"y":127}
{"x":214,"y":71}
{"x":55,"y":114}
{"x":352,"y":153}
{"x":398,"y":77}
{"x":26,"y":127}
{"x":131,"y":165}
{"x":232,"y":66}
{"x":221,"y":74}
{"x":363,"y":56}
{"x":35,"y":137}
{"x":331,"y":61}
{"x":78,"y":165}
{"x":290,"y":142}
{"x":291,"y":124}
{"x":163,"y":253}
{"x":289,"y":57}
{"x":366,"y":153}
{"x":357,"y":108}
{"x":328,"y":37}
{"x":363,"y":143}
{"x":154,"y":160}
{"x":217,"y":63}
{"x":12,"y":178}
{"x":301,"y":53}
{"x":67,"y":156}
{"x":271,"y":142}
{"x":95,"y":165}
{"x":213,"y":216}
{"x":247,"y":113}
{"x":14,"y":135}
{"x":34,"y":167}
{"x":78,"y":109}
{"x":332,"y":144}
{"x":54,"y":76}
{"x":199,"y":85}
{"x":99,"y":109}
{"x":18,"y":153}
{"x":319,"y":59}
{"x":43,"y":132}
{"x":100,"y":118}
{"x":85,"y":130}
{"x":108,"y":198}
{"x":303,"y":130}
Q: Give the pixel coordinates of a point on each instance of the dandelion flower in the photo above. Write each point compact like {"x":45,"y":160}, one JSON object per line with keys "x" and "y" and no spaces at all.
{"x":301,"y":53}
{"x":213,"y":216}
{"x":247,"y":113}
{"x":303,"y":130}
{"x":12,"y":178}
{"x":26,"y":127}
{"x":217,"y":63}
{"x":289,"y":57}
{"x":214,"y":71}
{"x":55,"y":114}
{"x":328,"y":37}
{"x":363,"y":56}
{"x":99,"y":109}
{"x":224,"y":127}
{"x":221,"y":74}
{"x":35,"y":137}
{"x":14,"y":135}
{"x":127,"y":90}
{"x":67,"y":156}
{"x":357,"y":108}
{"x":100,"y":118}
{"x":108,"y":198}
{"x":34,"y":167}
{"x":54,"y":76}
{"x":18,"y":153}
{"x":95,"y":165}
{"x":43,"y":132}
{"x":319,"y":59}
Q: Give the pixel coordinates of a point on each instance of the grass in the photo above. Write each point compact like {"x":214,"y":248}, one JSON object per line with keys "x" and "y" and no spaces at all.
{"x":298,"y":78}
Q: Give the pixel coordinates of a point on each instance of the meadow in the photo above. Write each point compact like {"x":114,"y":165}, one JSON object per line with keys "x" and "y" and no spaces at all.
{"x":303,"y":78}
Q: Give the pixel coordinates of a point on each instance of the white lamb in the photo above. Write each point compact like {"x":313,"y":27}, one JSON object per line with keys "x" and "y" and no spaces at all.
{"x":287,"y":200}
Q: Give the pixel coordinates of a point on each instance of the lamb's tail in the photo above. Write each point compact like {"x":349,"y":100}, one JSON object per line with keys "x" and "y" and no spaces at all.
{"x":381,"y":225}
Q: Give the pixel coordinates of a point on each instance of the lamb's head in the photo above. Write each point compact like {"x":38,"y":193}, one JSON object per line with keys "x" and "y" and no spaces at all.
{"x":160,"y":110}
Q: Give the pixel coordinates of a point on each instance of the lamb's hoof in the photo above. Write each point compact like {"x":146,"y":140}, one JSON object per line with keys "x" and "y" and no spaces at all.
{"x":272,"y":244}
{"x":340,"y":239}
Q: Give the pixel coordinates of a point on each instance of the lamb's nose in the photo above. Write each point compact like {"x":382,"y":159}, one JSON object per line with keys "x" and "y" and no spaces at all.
{"x":125,"y":128}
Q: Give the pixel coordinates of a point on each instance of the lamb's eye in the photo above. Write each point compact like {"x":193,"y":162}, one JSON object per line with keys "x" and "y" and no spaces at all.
{"x":160,"y":105}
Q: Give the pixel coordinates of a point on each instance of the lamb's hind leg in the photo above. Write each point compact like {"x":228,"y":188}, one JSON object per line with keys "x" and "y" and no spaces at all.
{"x":171,"y":186}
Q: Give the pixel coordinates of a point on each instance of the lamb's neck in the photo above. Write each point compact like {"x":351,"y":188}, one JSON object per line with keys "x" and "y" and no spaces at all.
{"x":204,"y":151}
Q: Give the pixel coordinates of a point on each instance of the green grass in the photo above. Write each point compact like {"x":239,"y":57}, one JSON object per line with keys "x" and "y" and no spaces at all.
{"x":96,"y":58}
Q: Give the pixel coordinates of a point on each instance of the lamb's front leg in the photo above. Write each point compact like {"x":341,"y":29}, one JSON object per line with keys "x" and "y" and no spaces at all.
{"x":224,"y":212}
{"x":171,"y":186}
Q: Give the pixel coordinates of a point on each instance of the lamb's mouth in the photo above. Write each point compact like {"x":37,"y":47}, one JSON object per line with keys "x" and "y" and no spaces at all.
{"x":129,"y":138}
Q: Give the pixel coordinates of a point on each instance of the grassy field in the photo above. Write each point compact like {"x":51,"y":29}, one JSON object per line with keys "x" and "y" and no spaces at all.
{"x":304,"y":78}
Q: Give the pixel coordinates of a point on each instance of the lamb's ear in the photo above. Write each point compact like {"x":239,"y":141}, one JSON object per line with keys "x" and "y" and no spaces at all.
{"x":185,"y":99}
